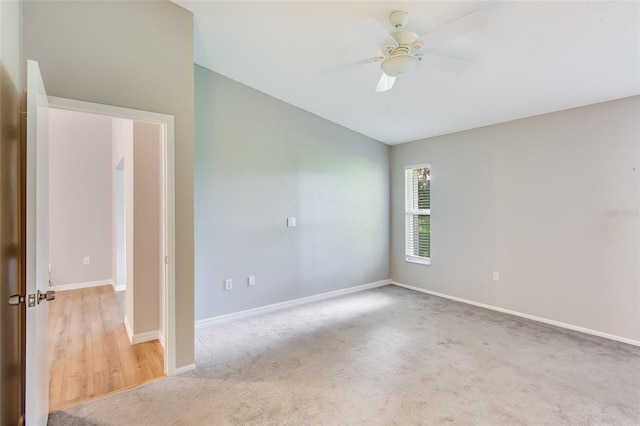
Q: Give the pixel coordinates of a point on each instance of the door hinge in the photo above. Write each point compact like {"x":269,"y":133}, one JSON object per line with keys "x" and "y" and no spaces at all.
{"x":166,"y":260}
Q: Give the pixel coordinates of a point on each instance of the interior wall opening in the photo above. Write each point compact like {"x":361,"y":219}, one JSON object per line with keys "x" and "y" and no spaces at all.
{"x":100,"y":164}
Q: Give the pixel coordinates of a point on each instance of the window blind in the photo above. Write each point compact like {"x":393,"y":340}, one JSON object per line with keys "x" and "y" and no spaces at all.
{"x":418,"y":213}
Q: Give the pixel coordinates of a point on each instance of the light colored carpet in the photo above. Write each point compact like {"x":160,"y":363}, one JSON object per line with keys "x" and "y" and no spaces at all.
{"x":383,"y":357}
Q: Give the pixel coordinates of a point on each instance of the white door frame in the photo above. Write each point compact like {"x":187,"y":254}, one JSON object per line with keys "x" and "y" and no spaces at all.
{"x":167,"y":123}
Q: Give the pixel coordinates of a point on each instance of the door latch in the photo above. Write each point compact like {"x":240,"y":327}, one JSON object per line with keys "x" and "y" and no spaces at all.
{"x":32,"y":299}
{"x":48,"y":295}
{"x":16,"y":299}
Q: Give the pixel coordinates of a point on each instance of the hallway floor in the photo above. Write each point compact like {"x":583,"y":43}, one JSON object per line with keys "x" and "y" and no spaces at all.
{"x":89,"y":350}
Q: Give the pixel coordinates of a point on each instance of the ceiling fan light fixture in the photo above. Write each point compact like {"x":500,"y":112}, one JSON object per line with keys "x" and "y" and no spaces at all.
{"x":399,"y":65}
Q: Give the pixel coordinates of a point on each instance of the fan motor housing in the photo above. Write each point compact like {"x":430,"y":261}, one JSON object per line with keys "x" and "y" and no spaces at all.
{"x":404,"y":38}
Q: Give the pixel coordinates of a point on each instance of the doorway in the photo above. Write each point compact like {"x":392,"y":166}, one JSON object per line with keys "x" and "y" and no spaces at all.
{"x":120,"y":276}
{"x":122,"y":208}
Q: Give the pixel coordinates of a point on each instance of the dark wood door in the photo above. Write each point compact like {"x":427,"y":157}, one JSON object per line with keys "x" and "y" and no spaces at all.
{"x":11,"y":253}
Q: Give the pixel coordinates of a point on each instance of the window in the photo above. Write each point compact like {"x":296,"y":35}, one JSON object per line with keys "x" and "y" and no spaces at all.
{"x":418,"y":214}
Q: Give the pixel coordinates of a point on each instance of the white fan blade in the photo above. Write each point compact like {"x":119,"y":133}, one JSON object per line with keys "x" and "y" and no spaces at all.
{"x":465,"y":24}
{"x":385,"y":83}
{"x":373,"y":30}
{"x":347,"y":65}
{"x":447,"y":62}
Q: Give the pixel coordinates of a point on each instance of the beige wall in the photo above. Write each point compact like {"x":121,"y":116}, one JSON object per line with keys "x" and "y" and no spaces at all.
{"x":550,"y":202}
{"x":146,"y":225}
{"x":136,"y":55}
{"x":139,"y":145}
{"x":79,"y":197}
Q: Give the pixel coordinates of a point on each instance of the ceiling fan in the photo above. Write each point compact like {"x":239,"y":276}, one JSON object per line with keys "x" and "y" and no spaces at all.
{"x":402,"y":49}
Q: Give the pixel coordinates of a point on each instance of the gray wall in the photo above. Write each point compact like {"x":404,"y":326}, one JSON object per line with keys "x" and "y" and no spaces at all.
{"x":133,"y":54}
{"x":80,"y":212}
{"x":551,"y":202}
{"x":259,"y":160}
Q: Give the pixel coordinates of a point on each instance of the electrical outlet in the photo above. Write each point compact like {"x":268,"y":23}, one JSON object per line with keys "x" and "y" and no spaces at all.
{"x":496,"y":276}
{"x":292,"y":222}
{"x":86,"y":261}
{"x":251,"y":281}
{"x":228,"y":284}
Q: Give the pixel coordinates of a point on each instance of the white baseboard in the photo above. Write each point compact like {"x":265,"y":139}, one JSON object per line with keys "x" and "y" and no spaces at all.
{"x":288,"y":304}
{"x":147,"y":336}
{"x":119,"y":287}
{"x":161,"y":339}
{"x":127,"y":326}
{"x":75,"y":286}
{"x":186,"y":368}
{"x":527,"y":316}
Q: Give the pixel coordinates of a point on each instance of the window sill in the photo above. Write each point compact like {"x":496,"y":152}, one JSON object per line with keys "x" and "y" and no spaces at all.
{"x":420,"y":260}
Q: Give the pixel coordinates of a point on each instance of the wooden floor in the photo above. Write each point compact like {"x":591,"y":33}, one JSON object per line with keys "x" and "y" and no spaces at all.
{"x":89,"y":350}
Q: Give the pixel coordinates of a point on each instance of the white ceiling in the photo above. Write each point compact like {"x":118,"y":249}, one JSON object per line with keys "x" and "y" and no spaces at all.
{"x":533,"y":58}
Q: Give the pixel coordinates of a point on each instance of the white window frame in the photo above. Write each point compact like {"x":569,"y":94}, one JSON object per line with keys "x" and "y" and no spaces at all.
{"x":410,"y":212}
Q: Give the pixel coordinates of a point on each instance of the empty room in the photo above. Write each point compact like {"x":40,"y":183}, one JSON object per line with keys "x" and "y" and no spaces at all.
{"x":377,"y":212}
